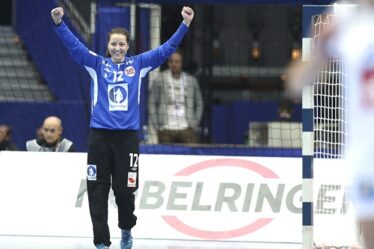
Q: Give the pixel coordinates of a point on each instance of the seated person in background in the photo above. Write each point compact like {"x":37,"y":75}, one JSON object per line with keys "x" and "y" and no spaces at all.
{"x":285,"y":111}
{"x":51,"y":140}
{"x":175,"y":104}
{"x":5,"y":138}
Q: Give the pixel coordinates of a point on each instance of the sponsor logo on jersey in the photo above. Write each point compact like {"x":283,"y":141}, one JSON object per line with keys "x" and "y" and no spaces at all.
{"x":130,"y":71}
{"x":108,"y":73}
{"x":131,"y":179}
{"x":118,"y":97}
{"x":91,"y":172}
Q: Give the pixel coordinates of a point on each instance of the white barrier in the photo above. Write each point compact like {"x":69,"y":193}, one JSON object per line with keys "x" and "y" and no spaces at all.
{"x":180,"y":197}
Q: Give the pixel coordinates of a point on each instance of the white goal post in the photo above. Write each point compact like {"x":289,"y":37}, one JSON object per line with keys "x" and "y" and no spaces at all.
{"x":324,"y":140}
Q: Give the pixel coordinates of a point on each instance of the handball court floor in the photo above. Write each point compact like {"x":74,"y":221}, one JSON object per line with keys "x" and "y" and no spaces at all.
{"x":31,"y":242}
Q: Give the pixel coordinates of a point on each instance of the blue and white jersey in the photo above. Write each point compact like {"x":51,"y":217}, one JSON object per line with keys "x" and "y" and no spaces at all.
{"x":115,"y":88}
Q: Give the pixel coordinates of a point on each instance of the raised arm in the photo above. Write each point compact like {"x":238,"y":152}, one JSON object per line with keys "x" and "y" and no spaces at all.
{"x":77,"y":49}
{"x":154,"y":58}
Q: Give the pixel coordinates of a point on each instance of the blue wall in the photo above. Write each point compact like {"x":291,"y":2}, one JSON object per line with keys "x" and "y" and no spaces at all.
{"x":66,"y":79}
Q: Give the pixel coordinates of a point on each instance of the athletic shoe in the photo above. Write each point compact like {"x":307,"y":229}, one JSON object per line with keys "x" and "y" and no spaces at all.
{"x":126,"y":240}
{"x":102,"y":246}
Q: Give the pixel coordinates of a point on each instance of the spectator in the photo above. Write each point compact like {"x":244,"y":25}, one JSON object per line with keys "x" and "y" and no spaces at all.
{"x":285,"y":111}
{"x":5,"y":138}
{"x":51,"y":139}
{"x":175,"y":104}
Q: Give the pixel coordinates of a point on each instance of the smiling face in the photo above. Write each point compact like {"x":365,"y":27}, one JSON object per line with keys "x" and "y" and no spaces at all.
{"x":118,"y":45}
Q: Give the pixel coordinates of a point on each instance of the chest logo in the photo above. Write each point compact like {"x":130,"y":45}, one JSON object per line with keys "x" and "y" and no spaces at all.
{"x":118,"y":97}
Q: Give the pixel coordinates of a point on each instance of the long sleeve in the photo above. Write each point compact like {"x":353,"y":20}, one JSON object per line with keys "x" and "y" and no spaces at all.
{"x":79,"y":52}
{"x":154,"y":58}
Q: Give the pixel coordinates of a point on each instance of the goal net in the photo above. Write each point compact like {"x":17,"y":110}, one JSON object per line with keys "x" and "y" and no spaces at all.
{"x":334,"y":223}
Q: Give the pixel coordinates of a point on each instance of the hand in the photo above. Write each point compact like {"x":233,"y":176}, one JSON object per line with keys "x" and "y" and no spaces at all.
{"x":297,"y":75}
{"x":187,"y":14}
{"x":57,"y":14}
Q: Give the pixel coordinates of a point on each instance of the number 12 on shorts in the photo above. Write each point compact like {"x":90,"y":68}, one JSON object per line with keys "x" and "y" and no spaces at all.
{"x":134,"y":160}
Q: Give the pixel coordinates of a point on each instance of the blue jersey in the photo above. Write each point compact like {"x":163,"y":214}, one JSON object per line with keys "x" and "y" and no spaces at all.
{"x":115,"y":87}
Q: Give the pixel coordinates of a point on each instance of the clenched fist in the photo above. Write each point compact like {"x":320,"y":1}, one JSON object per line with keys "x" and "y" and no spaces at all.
{"x":187,"y":14}
{"x":57,"y":14}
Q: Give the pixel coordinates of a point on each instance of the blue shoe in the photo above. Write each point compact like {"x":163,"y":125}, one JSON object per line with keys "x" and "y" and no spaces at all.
{"x":101,"y":246}
{"x":126,"y":240}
